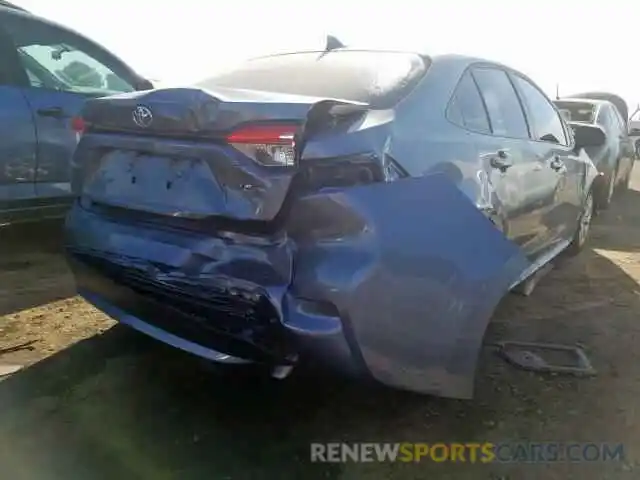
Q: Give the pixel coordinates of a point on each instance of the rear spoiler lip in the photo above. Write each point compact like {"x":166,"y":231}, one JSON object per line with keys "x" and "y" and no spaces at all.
{"x":211,"y":115}
{"x":232,"y":95}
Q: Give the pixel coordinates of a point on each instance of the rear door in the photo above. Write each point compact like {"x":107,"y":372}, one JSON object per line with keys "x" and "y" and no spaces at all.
{"x":561,"y":167}
{"x":62,"y":69}
{"x":523,"y":187}
{"x":17,"y":135}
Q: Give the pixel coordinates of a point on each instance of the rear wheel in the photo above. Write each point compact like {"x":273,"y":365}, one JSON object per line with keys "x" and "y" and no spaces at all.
{"x":584,"y":226}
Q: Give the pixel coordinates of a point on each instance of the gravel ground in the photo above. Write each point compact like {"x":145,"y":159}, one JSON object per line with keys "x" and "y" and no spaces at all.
{"x":99,"y":401}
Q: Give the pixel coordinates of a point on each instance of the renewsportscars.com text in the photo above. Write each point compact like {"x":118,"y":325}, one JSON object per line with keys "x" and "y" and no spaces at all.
{"x":505,"y":452}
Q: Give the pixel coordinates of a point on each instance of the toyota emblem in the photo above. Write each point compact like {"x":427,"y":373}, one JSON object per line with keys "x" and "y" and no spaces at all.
{"x":142,"y":116}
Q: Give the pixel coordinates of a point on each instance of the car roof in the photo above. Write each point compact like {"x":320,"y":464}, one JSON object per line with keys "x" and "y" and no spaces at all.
{"x":448,"y":57}
{"x":12,"y":6}
{"x":337,"y":50}
{"x":451,"y":59}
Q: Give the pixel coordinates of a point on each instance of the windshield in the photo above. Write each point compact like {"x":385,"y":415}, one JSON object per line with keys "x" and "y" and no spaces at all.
{"x":577,"y":111}
{"x":379,"y":79}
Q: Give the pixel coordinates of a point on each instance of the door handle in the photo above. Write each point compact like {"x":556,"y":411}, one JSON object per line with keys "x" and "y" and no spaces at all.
{"x":54,"y":112}
{"x":557,"y":164}
{"x":501,"y":160}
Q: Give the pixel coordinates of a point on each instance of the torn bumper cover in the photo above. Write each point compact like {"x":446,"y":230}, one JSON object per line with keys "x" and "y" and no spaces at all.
{"x":382,"y":289}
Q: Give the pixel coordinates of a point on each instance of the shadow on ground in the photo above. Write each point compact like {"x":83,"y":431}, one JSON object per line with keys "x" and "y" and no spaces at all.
{"x":31,"y":266}
{"x":120,"y":406}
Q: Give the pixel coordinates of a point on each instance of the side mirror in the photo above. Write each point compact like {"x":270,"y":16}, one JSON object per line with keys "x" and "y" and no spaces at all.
{"x":587,"y":135}
{"x":143,"y":84}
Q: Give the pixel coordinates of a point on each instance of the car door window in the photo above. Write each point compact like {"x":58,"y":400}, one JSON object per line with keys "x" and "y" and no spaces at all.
{"x":622,"y":126}
{"x":604,"y":119}
{"x":611,"y":125}
{"x":546,"y":122}
{"x":466,"y":107}
{"x":505,"y":112}
{"x":60,"y":60}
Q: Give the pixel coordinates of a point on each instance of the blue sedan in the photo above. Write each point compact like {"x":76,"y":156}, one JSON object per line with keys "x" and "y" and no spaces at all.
{"x":362,"y":209}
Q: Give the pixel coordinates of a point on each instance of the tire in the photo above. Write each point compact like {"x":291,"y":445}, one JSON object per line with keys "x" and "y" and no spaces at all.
{"x":584,"y":226}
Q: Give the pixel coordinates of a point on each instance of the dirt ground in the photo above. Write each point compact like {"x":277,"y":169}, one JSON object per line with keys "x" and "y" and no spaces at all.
{"x":98,"y":401}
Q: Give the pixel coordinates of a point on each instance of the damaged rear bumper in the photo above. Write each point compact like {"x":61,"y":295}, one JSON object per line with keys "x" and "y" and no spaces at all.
{"x":381,"y":289}
{"x":210,"y":330}
{"x":154,"y":288}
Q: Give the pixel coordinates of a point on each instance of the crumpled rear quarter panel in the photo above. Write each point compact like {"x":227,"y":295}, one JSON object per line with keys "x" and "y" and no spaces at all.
{"x":416,"y":279}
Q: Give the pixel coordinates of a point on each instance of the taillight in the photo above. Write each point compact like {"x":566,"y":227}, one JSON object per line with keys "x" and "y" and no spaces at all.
{"x":78,"y":125}
{"x":269,"y":145}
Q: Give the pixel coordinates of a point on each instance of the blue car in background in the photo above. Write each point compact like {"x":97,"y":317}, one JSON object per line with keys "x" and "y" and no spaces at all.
{"x":363,"y":209}
{"x":46,"y":74}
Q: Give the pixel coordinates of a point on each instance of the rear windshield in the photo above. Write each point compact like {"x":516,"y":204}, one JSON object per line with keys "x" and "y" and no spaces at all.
{"x":577,"y":111}
{"x":379,"y":79}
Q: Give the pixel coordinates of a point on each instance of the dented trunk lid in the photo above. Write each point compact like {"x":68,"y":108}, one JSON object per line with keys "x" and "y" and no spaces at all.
{"x":167,"y":152}
{"x":193,"y":112}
